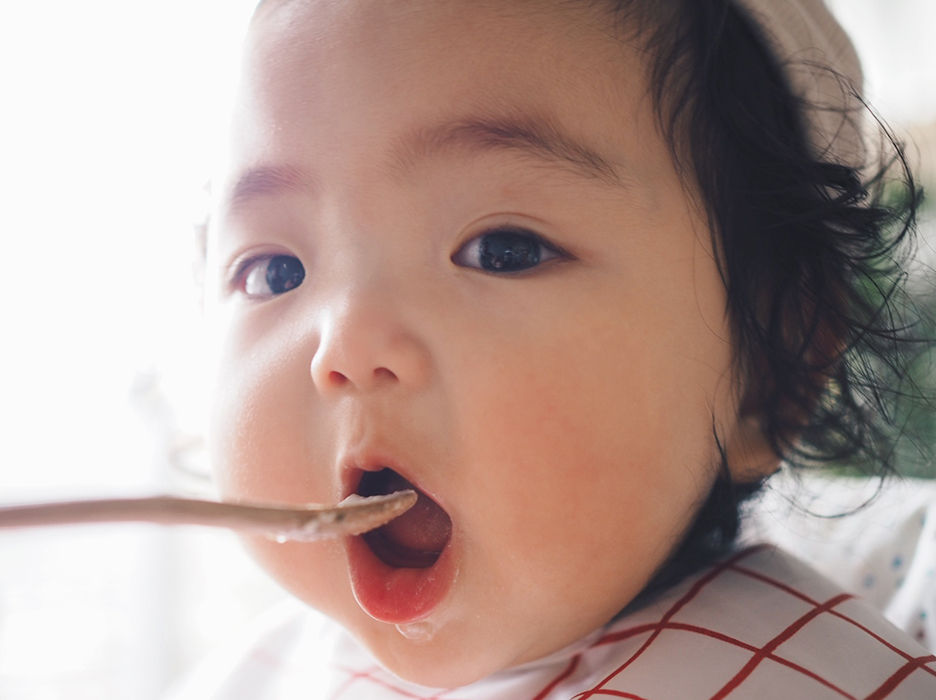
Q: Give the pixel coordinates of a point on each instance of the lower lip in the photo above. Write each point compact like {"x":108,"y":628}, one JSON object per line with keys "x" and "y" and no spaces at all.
{"x":397,"y":596}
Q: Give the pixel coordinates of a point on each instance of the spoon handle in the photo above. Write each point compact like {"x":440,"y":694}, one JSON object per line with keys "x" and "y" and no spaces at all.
{"x":352,"y":516}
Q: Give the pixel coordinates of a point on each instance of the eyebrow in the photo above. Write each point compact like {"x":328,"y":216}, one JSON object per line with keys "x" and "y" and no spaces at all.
{"x":266,"y":180}
{"x":534,"y":136}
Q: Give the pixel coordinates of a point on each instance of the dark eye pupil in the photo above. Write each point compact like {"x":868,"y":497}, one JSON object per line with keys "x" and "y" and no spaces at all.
{"x":506,"y":251}
{"x":284,"y":272}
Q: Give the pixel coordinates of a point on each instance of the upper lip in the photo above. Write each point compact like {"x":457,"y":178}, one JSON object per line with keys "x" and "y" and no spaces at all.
{"x":353,"y":466}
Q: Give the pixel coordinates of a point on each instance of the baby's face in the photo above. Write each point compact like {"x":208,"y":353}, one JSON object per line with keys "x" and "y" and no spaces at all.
{"x":452,"y":252}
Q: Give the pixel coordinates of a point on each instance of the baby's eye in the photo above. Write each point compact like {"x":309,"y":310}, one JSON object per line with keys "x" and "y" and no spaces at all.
{"x":505,"y":250}
{"x":278,"y":274}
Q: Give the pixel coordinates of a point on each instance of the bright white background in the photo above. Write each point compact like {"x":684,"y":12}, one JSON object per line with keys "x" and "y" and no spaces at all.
{"x":109,"y":116}
{"x":109,"y":113}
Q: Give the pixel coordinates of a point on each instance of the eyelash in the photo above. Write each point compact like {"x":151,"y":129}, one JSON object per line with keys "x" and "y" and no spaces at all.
{"x":516,"y":248}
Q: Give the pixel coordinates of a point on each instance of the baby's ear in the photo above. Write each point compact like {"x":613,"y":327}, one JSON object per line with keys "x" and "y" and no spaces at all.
{"x":750,"y":454}
{"x":804,"y":377}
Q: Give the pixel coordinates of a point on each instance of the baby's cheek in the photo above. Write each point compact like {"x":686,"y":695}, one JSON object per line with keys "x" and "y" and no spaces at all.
{"x":263,"y":443}
{"x":246,"y":455}
{"x":314,"y":572}
{"x":587,"y":497}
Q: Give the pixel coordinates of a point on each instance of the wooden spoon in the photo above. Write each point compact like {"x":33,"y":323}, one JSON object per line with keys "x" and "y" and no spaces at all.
{"x":353,"y":516}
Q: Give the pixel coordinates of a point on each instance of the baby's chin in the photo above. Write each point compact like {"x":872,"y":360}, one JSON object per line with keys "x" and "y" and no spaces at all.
{"x":453,"y":647}
{"x":426,"y":653}
{"x":450,"y":655}
{"x":465,"y":641}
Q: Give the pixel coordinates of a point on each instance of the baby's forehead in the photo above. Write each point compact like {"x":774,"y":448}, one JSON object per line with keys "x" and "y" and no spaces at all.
{"x":369,"y":20}
{"x":444,"y":58}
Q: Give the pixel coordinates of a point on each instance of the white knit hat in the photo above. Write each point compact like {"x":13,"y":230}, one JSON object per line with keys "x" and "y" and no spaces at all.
{"x":822,"y":68}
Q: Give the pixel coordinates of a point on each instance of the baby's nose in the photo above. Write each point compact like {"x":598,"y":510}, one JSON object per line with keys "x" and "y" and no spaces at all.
{"x":364,"y":345}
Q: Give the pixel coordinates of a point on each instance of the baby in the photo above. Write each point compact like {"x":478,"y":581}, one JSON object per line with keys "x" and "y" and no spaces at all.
{"x":581,"y":273}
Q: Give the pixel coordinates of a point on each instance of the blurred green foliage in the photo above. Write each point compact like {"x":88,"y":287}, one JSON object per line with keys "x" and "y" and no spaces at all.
{"x":910,"y":395}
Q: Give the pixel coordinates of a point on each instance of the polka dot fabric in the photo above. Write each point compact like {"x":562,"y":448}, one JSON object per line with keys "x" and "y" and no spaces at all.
{"x":759,"y":625}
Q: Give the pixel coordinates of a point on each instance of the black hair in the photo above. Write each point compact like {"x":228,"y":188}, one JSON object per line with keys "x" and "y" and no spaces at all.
{"x":812,"y":254}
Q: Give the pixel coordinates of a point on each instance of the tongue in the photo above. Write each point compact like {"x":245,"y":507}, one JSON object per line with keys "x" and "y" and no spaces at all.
{"x":425,"y":527}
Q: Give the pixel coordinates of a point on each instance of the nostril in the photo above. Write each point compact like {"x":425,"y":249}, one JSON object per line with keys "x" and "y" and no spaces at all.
{"x":384,"y":373}
{"x":337,"y":378}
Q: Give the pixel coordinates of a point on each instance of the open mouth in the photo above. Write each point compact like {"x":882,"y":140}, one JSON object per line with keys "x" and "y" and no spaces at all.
{"x":416,"y":539}
{"x":401,"y":572}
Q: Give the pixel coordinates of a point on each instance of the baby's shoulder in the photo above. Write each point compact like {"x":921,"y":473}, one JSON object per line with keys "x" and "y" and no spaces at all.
{"x":759,"y":625}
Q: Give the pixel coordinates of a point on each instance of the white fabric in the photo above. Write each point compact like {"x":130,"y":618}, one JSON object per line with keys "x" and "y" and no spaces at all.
{"x":822,"y":67}
{"x":759,"y":626}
